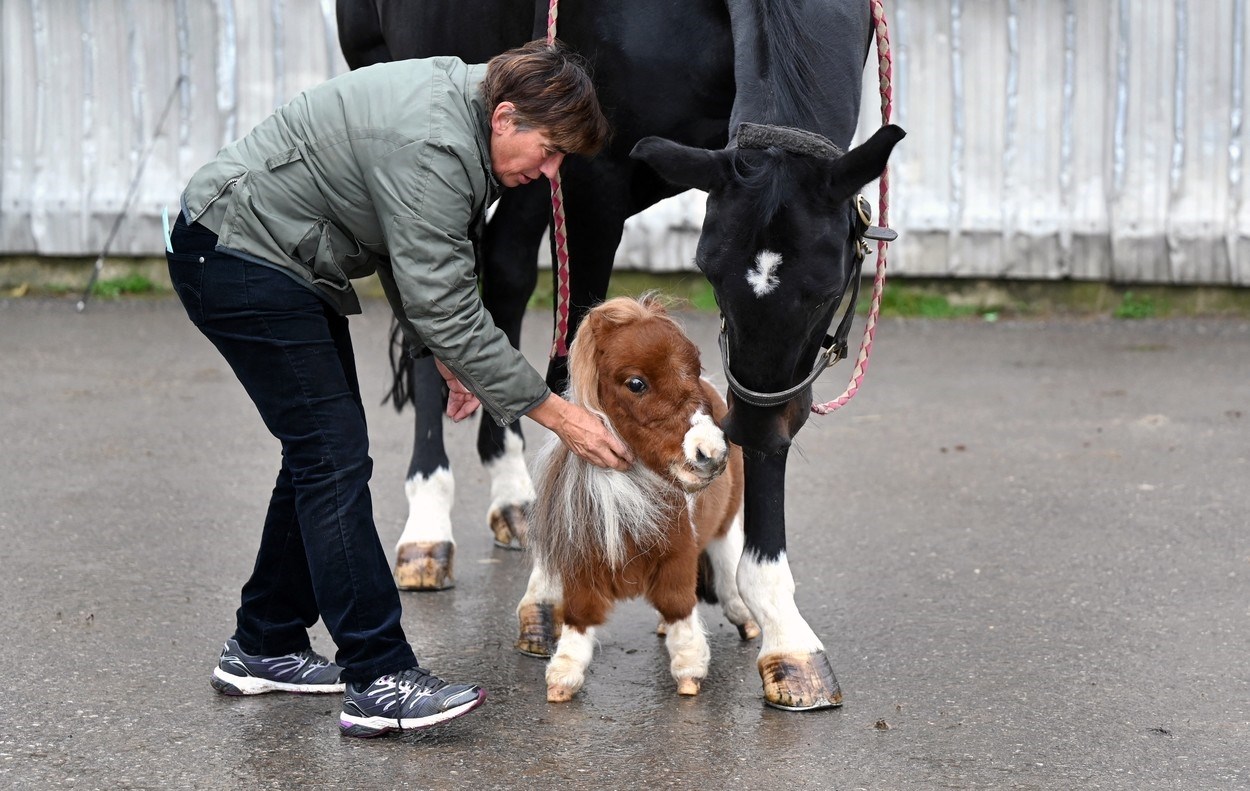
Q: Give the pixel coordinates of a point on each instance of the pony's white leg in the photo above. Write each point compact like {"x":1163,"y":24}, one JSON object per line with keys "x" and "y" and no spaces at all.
{"x":426,"y":550}
{"x":689,"y":653}
{"x":725,"y":554}
{"x":511,"y":492}
{"x":792,"y":660}
{"x":566,"y":672}
{"x":540,"y":616}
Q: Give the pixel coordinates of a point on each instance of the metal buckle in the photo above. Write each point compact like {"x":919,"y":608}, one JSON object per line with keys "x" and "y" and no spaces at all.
{"x":875,"y":232}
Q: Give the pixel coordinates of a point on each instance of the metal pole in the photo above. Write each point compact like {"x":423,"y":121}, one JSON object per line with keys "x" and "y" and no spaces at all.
{"x":134,"y":187}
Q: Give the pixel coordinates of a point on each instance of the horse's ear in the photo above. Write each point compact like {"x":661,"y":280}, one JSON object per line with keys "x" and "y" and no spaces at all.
{"x":682,"y":165}
{"x":865,"y":162}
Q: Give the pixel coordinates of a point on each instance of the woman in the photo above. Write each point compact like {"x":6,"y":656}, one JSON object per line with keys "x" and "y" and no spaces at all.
{"x":386,"y":170}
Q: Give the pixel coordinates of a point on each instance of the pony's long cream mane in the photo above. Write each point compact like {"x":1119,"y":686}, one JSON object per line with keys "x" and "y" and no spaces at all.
{"x":582,"y":512}
{"x":584,"y":352}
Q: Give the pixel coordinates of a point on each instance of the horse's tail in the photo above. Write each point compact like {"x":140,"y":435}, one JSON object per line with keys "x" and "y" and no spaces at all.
{"x":705,"y":588}
{"x":402,"y":386}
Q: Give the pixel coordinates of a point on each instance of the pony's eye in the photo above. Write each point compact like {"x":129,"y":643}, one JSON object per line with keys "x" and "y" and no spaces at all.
{"x":636,"y":385}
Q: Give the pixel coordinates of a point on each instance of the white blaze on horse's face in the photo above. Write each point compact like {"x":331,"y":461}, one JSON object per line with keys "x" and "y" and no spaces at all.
{"x":706,"y":452}
{"x":763,"y":278}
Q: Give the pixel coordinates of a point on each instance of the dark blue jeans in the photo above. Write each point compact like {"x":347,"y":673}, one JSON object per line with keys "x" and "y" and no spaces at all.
{"x":319,"y":551}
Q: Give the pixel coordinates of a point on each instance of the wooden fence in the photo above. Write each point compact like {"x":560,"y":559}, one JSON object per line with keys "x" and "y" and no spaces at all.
{"x":1048,"y":139}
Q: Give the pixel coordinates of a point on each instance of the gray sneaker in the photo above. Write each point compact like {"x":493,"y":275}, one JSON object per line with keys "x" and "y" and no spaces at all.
{"x":239,"y":673}
{"x":410,"y":699}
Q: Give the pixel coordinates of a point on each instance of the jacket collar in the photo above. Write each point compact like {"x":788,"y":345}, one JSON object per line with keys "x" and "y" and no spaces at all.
{"x":477,"y":104}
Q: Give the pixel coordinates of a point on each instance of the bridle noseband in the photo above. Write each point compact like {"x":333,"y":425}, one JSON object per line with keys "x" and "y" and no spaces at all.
{"x":834,"y":347}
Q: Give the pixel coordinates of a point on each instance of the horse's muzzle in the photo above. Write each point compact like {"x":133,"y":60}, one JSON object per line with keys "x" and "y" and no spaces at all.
{"x":766,"y":430}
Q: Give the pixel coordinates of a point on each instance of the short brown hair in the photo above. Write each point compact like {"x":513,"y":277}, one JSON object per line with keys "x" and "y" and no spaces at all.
{"x":552,"y":91}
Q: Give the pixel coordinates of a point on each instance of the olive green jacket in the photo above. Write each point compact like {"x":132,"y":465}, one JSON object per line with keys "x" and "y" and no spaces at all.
{"x":382,"y":170}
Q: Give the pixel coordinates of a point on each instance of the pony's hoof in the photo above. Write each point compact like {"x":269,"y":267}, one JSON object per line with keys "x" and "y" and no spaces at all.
{"x":749,"y":630}
{"x":425,"y":566}
{"x":540,"y":627}
{"x":558,"y":693}
{"x":661,"y":628}
{"x":509,"y":526}
{"x":799,"y":683}
{"x":688,"y":686}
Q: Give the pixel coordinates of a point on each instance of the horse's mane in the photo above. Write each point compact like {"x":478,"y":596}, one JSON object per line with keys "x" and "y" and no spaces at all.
{"x":783,"y":46}
{"x":583,"y":512}
{"x":767,"y":176}
{"x":787,"y":95}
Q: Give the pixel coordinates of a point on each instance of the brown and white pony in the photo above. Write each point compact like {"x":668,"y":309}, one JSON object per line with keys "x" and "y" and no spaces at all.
{"x":598,"y":536}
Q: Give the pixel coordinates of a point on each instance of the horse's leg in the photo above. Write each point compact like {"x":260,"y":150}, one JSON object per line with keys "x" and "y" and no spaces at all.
{"x":509,"y":274}
{"x":566,"y":672}
{"x":584,"y":609}
{"x":672,"y":593}
{"x":426,"y":550}
{"x":688,"y":652}
{"x":724,"y":555}
{"x":540,"y":614}
{"x":792,"y":660}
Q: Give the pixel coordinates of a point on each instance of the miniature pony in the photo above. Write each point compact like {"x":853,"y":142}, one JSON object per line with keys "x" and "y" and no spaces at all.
{"x":598,"y":536}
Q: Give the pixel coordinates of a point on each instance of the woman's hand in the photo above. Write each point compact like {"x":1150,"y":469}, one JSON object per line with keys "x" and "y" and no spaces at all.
{"x":460,"y":402}
{"x":582,"y":432}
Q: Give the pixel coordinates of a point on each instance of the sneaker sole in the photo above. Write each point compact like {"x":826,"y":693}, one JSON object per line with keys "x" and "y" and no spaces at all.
{"x":368,"y":727}
{"x":230,"y":684}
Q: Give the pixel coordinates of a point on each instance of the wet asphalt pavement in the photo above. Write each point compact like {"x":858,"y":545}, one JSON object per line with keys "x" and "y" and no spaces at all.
{"x":1025,"y":546}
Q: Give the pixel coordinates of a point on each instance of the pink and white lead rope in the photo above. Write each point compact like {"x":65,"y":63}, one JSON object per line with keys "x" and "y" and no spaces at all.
{"x":559,"y":344}
{"x":885,"y":70}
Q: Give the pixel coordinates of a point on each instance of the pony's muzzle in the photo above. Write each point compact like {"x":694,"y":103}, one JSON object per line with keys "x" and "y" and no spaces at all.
{"x":706,"y":454}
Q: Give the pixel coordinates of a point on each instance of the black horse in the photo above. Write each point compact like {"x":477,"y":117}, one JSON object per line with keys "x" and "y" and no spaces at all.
{"x":755,"y":102}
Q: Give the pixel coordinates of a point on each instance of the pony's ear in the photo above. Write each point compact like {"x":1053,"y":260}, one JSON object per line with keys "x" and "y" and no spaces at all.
{"x":682,"y":165}
{"x":583,"y":367}
{"x":864,"y":163}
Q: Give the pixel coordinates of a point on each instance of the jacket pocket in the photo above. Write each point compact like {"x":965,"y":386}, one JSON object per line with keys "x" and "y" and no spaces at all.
{"x":329,"y":254}
{"x":285,"y":158}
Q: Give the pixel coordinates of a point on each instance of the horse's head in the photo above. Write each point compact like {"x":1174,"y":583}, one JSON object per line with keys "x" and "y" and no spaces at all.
{"x":779,"y":248}
{"x":632,"y":363}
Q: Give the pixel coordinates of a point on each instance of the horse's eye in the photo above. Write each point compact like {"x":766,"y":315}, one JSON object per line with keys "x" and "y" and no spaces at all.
{"x":636,"y":385}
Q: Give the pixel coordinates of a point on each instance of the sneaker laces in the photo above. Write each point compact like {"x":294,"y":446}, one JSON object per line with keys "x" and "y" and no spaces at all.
{"x":312,"y":658}
{"x":418,"y":678}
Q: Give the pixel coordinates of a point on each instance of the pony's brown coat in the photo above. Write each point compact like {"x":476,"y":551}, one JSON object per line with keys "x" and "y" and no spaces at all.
{"x":621,"y":343}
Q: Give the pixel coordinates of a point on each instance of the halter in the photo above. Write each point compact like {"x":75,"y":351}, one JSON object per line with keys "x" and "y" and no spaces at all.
{"x":834,"y":347}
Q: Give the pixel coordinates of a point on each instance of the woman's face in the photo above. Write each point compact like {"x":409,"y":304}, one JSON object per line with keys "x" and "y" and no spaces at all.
{"x":519,"y":156}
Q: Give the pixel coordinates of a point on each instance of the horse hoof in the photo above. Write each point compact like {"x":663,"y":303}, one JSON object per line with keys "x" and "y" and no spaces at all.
{"x":749,"y":630}
{"x":540,"y":627}
{"x":509,"y":526}
{"x":799,"y":683}
{"x":424,"y":566}
{"x":661,"y":628}
{"x":557,"y":693}
{"x":688,"y":686}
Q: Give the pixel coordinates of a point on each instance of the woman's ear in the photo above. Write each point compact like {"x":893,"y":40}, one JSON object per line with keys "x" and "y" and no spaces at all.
{"x":501,"y":118}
